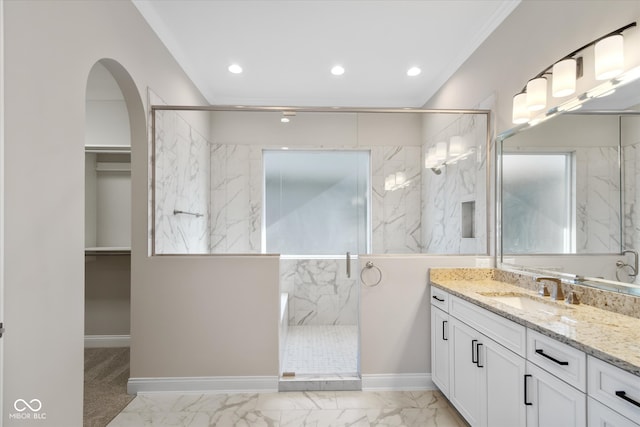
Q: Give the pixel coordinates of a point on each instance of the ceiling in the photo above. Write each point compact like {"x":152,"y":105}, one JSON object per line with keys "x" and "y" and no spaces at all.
{"x":287,"y":47}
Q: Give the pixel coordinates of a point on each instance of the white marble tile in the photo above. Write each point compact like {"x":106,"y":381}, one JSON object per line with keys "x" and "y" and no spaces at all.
{"x":297,"y":400}
{"x":419,"y":409}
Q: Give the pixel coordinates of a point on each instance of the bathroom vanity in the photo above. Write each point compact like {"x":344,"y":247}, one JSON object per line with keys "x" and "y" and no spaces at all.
{"x":506,"y":356}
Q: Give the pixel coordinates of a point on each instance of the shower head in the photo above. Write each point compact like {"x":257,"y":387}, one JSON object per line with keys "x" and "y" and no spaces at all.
{"x":437,"y":171}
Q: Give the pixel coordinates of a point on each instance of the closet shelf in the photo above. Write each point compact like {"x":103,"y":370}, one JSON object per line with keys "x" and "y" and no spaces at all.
{"x":111,"y":149}
{"x":106,"y":250}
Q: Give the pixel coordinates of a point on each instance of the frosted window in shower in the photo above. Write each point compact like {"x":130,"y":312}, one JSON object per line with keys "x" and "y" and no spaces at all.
{"x":537,"y":203}
{"x":316,"y":202}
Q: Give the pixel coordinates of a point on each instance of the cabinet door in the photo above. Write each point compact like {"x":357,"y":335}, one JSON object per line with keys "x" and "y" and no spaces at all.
{"x":503,"y":386}
{"x":440,"y":349}
{"x":552,"y":402}
{"x":465,"y":377}
{"x":603,"y":416}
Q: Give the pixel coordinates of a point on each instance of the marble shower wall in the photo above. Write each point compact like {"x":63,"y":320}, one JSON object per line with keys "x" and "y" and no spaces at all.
{"x":320,"y":293}
{"x":396,"y":215}
{"x":443,"y":195}
{"x":597,"y":200}
{"x":182,"y":171}
{"x":236,"y":199}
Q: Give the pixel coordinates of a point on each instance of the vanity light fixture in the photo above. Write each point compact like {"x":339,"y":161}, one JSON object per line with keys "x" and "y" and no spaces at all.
{"x":537,"y":94}
{"x":442,"y":154}
{"x":609,"y":57}
{"x":609,"y":63}
{"x":441,"y":151}
{"x":235,"y":69}
{"x":564,"y":77}
{"x":337,"y":70}
{"x":520,"y":112}
{"x":456,"y":145}
{"x":413,"y":71}
{"x":396,"y":181}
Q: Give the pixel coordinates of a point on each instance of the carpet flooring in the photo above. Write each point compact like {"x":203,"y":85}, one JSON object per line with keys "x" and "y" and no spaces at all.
{"x":106,"y":371}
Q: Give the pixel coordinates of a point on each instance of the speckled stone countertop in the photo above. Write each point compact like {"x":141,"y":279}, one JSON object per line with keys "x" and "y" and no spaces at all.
{"x":610,"y":336}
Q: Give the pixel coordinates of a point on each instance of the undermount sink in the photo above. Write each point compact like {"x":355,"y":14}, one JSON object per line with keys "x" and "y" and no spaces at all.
{"x":528,"y":302}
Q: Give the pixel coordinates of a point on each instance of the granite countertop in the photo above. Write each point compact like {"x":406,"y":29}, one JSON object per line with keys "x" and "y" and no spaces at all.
{"x":612,"y":337}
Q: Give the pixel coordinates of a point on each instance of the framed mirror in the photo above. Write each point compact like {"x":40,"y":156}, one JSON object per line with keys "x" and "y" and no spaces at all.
{"x":567,"y":194}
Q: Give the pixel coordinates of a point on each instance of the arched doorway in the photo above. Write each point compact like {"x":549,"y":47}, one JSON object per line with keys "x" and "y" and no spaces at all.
{"x":113,"y":111}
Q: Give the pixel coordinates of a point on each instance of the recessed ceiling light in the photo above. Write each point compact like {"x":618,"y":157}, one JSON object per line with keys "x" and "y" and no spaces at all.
{"x":413,"y":71}
{"x":285,"y":120}
{"x":235,"y":69}
{"x":337,"y":70}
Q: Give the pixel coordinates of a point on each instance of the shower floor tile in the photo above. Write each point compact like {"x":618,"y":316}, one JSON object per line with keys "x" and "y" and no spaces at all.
{"x":312,"y":350}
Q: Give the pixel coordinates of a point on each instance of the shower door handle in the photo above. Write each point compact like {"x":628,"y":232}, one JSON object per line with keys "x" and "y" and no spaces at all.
{"x":349,"y":264}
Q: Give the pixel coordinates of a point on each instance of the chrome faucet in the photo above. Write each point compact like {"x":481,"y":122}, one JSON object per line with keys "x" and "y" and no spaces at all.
{"x":556,"y":293}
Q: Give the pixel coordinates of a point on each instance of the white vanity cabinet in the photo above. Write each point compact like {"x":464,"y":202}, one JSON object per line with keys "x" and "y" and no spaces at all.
{"x":440,"y":333}
{"x":555,"y":384}
{"x":440,"y":349}
{"x":614,"y":395}
{"x":486,"y":378}
{"x":551,"y":402}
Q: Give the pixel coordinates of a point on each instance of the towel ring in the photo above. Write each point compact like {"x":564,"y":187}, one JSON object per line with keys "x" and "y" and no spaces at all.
{"x":369,"y":265}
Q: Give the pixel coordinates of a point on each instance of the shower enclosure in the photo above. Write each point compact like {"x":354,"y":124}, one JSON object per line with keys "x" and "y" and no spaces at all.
{"x":319,"y":188}
{"x":317,"y":216}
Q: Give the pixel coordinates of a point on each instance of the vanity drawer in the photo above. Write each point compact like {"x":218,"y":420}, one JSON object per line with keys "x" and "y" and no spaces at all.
{"x":618,"y":389}
{"x":565,"y":362}
{"x":510,"y":334}
{"x":440,"y":299}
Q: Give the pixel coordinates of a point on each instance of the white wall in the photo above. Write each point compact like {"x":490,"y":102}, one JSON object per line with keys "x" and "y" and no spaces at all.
{"x":396,"y":315}
{"x":50,"y":48}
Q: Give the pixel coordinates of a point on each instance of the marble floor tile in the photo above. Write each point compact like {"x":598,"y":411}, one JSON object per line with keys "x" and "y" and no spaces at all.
{"x":294,"y":409}
{"x":297,"y":400}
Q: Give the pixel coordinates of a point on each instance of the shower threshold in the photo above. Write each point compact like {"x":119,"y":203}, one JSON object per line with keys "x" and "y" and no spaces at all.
{"x":323,"y":382}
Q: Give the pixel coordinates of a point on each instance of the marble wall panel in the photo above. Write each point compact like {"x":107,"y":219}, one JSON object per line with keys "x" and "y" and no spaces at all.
{"x":182,"y":170}
{"x":319,"y":291}
{"x":395,"y":216}
{"x":444,"y":193}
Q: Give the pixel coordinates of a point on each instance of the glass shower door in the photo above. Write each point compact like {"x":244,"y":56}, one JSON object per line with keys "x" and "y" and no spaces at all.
{"x":317,"y":218}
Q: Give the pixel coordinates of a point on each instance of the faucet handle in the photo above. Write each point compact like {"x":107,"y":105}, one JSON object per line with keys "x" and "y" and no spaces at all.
{"x":572,"y":298}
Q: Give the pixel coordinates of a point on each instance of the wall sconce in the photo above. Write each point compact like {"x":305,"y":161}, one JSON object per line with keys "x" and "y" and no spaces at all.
{"x":396,"y":181}
{"x":609,"y":63}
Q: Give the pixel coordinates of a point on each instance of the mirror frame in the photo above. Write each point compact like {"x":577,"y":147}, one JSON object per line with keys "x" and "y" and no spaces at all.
{"x":489,"y":159}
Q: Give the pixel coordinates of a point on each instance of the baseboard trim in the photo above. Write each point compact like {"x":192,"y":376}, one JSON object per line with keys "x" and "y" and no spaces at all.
{"x":244,"y":384}
{"x":406,"y":382}
{"x":101,"y":341}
